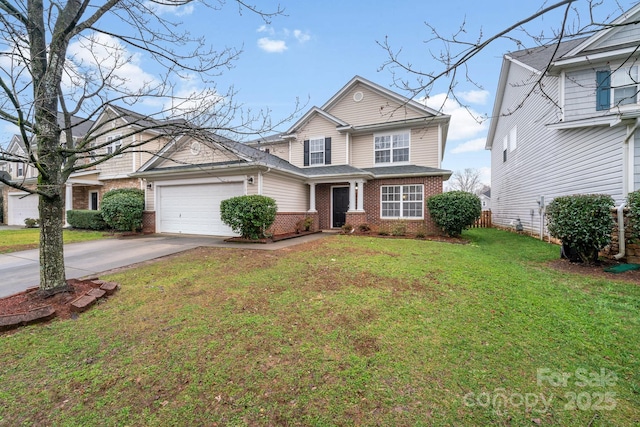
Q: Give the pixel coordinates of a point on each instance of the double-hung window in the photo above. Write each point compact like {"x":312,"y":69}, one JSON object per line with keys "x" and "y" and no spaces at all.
{"x":391,"y":148}
{"x":624,"y":82}
{"x":402,"y":201}
{"x":115,"y":145}
{"x":316,"y":151}
{"x":617,"y":88}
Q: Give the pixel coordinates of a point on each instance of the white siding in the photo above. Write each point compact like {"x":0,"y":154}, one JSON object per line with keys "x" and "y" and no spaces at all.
{"x":290,"y":195}
{"x":618,"y":36}
{"x":546,"y":162}
{"x":423,"y":149}
{"x":318,"y":127}
{"x":580,"y":95}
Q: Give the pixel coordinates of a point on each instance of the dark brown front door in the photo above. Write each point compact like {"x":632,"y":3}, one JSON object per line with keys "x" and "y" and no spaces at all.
{"x":340,"y":206}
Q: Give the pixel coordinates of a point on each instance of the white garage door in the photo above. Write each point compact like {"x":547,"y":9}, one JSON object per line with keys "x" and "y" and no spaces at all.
{"x":194,"y":209}
{"x":21,"y":207}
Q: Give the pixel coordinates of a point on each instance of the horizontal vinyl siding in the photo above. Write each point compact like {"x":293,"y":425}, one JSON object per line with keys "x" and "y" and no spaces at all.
{"x":423,"y":149}
{"x":580,"y":95}
{"x":547,"y":162}
{"x":315,"y":128}
{"x":149,"y":200}
{"x":619,"y":36}
{"x":373,"y":108}
{"x":290,"y":195}
{"x":182,"y":155}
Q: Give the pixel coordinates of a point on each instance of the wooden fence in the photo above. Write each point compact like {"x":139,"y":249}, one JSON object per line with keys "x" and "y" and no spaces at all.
{"x":484,"y":221}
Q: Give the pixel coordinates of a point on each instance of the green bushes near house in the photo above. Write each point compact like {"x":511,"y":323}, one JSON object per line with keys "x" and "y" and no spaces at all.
{"x":86,"y":220}
{"x":249,"y":216}
{"x":583,"y":223}
{"x":122,"y":209}
{"x":454,"y":211}
{"x":633,"y":204}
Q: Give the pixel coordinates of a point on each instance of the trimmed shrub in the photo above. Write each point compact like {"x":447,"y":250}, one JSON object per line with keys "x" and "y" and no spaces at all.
{"x":633,"y":204}
{"x":122,"y":209}
{"x":249,"y":216}
{"x":454,"y":211}
{"x":86,"y":219}
{"x":31,"y":222}
{"x":583,"y":223}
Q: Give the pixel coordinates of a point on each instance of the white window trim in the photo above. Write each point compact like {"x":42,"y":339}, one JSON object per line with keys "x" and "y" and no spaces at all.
{"x":114,"y":144}
{"x":402,"y":201}
{"x":624,"y":70}
{"x":513,"y":138}
{"x":391,"y":134}
{"x":319,"y":138}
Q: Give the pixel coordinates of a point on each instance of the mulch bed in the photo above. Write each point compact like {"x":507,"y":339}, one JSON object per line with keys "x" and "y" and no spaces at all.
{"x":273,"y":239}
{"x":28,"y":304}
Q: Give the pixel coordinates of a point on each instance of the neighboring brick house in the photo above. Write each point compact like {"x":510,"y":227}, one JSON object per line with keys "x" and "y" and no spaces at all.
{"x":368,"y":155}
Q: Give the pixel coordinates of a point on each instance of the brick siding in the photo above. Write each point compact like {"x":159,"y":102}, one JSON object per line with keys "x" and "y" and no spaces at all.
{"x":286,"y":222}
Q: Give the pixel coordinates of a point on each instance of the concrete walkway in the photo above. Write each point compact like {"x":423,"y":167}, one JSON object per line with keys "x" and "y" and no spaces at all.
{"x":21,"y":270}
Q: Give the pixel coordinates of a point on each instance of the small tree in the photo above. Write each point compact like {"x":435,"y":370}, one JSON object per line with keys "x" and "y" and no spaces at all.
{"x":122,"y":209}
{"x":454,"y":211}
{"x":249,"y":216}
{"x":582,"y":222}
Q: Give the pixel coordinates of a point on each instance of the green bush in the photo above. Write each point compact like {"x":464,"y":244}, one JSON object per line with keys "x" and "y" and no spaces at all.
{"x":86,"y":220}
{"x":582,"y":222}
{"x":249,"y":216}
{"x":454,"y":211}
{"x":633,"y":204}
{"x":122,"y":209}
{"x":31,"y":222}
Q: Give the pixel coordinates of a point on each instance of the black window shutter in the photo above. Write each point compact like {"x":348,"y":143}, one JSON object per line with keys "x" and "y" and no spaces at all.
{"x":306,"y":152}
{"x":603,"y":96}
{"x":327,"y":151}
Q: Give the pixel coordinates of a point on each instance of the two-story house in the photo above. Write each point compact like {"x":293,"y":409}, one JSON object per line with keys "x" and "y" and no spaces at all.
{"x":368,"y":155}
{"x":565,"y":121}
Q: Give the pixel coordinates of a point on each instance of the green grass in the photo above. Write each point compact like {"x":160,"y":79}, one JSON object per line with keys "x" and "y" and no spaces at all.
{"x":28,"y":238}
{"x":344,"y":331}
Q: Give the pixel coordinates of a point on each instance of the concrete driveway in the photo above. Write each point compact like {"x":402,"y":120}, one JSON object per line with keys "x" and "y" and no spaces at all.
{"x":21,"y":270}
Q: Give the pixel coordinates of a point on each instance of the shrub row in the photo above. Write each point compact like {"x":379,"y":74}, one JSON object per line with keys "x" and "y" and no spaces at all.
{"x":121,"y":210}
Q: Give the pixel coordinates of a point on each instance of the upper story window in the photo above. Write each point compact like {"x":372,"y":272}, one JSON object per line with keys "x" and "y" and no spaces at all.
{"x":115,"y":145}
{"x":392,"y":147}
{"x":624,"y":82}
{"x":20,"y":170}
{"x":616,"y":88}
{"x":317,"y":152}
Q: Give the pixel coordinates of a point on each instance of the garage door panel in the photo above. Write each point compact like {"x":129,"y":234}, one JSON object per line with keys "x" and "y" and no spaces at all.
{"x":21,"y":207}
{"x":195,"y":209}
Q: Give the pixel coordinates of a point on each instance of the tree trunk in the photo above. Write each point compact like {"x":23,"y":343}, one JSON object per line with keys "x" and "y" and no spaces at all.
{"x":52,"y":271}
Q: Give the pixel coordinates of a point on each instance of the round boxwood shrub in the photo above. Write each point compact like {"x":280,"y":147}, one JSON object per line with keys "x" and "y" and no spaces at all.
{"x":583,"y":223}
{"x":249,"y":216}
{"x":633,"y":204}
{"x":122,"y":209}
{"x":454,"y":211}
{"x":86,"y":219}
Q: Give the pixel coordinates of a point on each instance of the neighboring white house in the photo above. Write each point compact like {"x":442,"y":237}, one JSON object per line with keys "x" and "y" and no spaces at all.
{"x":485,"y":200}
{"x":571,"y":130}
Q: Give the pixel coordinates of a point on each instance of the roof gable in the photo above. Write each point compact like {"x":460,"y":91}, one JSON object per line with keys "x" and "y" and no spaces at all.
{"x":310,"y":115}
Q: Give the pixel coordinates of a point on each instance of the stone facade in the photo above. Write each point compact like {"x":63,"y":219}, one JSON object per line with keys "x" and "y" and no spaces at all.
{"x":632,"y":246}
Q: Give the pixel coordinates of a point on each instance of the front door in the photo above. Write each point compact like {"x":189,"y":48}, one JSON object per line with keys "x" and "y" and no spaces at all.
{"x":340,"y":203}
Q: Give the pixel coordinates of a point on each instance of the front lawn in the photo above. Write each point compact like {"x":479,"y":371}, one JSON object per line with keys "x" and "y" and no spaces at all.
{"x":343,"y":331}
{"x":28,"y":238}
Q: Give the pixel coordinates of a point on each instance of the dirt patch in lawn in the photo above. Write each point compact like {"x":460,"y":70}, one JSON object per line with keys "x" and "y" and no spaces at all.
{"x":597,"y":271}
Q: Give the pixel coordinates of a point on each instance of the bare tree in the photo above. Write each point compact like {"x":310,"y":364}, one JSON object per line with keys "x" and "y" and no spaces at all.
{"x":465,"y":180}
{"x":64,"y":60}
{"x":455,"y":53}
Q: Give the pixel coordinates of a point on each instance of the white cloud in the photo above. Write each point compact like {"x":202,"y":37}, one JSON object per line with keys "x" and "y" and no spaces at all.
{"x":168,"y":9}
{"x":301,"y":36}
{"x":470,"y":146}
{"x":106,"y":53}
{"x":465,"y":123}
{"x":277,"y":40}
{"x":272,"y":46}
{"x":485,"y":175}
{"x":478,"y":97}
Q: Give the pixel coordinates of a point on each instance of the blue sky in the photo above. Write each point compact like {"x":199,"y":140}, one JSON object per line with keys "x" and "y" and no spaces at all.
{"x":315,"y":48}
{"x":319,"y":46}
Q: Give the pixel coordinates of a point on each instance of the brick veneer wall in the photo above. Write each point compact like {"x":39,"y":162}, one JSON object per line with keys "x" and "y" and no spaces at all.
{"x":432,"y":186}
{"x":286,"y":222}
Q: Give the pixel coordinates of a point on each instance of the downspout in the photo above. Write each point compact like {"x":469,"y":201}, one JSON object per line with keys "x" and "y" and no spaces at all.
{"x":621,"y":236}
